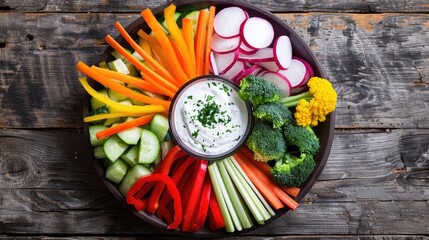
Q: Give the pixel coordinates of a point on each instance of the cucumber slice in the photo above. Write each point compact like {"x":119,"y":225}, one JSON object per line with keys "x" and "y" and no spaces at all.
{"x":150,"y":147}
{"x":99,"y":152}
{"x":131,"y":136}
{"x":166,"y":146}
{"x":132,"y":176}
{"x":106,"y":162}
{"x":159,"y":125}
{"x":115,"y":96}
{"x":130,"y":156}
{"x":100,"y":110}
{"x":103,"y":64}
{"x":131,"y":69}
{"x":114,"y":147}
{"x":96,"y":103}
{"x":137,"y":55}
{"x":93,"y":130}
{"x":126,"y":102}
{"x":135,"y":102}
{"x":119,"y":66}
{"x":116,"y":171}
{"x":117,"y":55}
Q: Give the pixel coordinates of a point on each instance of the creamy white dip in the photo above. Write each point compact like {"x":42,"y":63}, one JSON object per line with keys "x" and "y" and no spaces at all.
{"x":210,"y":118}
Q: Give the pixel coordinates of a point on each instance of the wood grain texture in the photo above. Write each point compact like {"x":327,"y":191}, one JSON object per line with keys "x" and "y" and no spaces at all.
{"x":377,"y":63}
{"x":366,"y":6}
{"x":57,"y":187}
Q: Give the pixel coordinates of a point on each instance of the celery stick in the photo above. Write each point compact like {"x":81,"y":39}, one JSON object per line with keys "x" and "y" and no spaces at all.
{"x":246,"y":192}
{"x":255,"y":190}
{"x":213,"y":172}
{"x":241,"y":209}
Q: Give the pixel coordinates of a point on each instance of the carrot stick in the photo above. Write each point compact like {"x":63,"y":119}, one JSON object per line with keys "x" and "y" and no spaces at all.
{"x":146,"y":56}
{"x":209,"y":34}
{"x":188,"y":35}
{"x":116,"y":107}
{"x":161,"y":87}
{"x":125,"y":125}
{"x":156,"y":49}
{"x":165,"y":44}
{"x":145,"y":45}
{"x":266,"y":169}
{"x":179,"y":40}
{"x":262,"y":186}
{"x":272,"y":185}
{"x":177,"y":52}
{"x":85,"y":69}
{"x":169,"y":85}
{"x":151,"y":40}
{"x":136,"y":82}
{"x":200,"y":41}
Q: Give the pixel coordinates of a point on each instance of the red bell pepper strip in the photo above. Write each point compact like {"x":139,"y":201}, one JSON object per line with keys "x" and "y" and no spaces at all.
{"x":176,"y":176}
{"x":172,"y":189}
{"x":215,"y":216}
{"x":201,"y":215}
{"x":164,"y":168}
{"x":194,"y":199}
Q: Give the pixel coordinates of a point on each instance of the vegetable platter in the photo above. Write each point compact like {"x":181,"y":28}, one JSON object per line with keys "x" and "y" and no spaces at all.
{"x":246,"y":79}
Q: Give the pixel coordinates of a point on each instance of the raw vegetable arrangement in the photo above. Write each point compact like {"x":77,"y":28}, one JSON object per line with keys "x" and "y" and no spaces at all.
{"x":129,"y":118}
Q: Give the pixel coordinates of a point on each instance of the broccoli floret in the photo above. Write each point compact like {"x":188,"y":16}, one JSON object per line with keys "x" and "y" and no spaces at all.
{"x":274,"y":112}
{"x":258,"y":90}
{"x":266,"y":142}
{"x":293,"y":171}
{"x":302,"y":137}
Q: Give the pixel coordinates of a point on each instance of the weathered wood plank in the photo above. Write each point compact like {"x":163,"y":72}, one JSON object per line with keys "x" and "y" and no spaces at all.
{"x":55,"y":187}
{"x":378,"y":64}
{"x":368,"y":6}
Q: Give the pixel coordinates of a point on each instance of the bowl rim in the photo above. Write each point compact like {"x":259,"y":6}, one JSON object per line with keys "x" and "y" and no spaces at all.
{"x":328,"y":129}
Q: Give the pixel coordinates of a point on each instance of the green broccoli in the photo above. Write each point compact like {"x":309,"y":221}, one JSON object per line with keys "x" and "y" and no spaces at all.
{"x":266,"y":142}
{"x":293,"y":171}
{"x":274,"y":112}
{"x":258,"y":90}
{"x":302,"y":137}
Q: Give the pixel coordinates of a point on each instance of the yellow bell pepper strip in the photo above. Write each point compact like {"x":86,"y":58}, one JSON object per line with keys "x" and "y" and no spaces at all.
{"x":177,"y":70}
{"x":171,"y":187}
{"x":145,"y":45}
{"x":148,"y":58}
{"x":124,"y":126}
{"x":176,"y":34}
{"x":200,"y":40}
{"x":117,"y":107}
{"x":107,"y":116}
{"x":188,"y":35}
{"x":209,"y":34}
{"x":161,"y":87}
{"x":109,"y":83}
{"x":133,"y":81}
{"x":142,"y":67}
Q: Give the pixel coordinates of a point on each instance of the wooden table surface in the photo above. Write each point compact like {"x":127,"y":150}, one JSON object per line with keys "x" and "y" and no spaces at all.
{"x":375,"y":183}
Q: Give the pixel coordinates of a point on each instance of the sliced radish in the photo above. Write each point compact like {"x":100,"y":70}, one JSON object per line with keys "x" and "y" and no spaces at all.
{"x":246,"y":50}
{"x":224,"y":45}
{"x":225,"y":61}
{"x":298,"y":90}
{"x":253,"y":70}
{"x":227,"y":22}
{"x":270,"y":65}
{"x":307,"y":65}
{"x":234,"y":71}
{"x":296,"y":73}
{"x":262,"y":55}
{"x":261,"y":72}
{"x":257,"y":32}
{"x":282,"y":82}
{"x":282,"y":52}
{"x":213,"y":64}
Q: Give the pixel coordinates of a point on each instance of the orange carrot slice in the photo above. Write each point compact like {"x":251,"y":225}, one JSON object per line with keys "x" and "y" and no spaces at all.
{"x":200,"y":39}
{"x":125,"y":125}
{"x":206,"y":68}
{"x":188,"y":35}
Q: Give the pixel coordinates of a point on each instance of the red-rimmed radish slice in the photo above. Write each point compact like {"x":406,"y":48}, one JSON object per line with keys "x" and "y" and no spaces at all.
{"x":246,"y":50}
{"x":296,"y":73}
{"x":282,"y":52}
{"x":307,"y":65}
{"x":298,"y":90}
{"x":257,"y":32}
{"x":261,"y":72}
{"x":224,"y":45}
{"x":269,"y":65}
{"x":227,"y":21}
{"x":239,"y":76}
{"x":282,"y":82}
{"x":234,"y":71}
{"x":225,"y":61}
{"x":253,"y":70}
{"x":213,"y":64}
{"x":262,"y":55}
